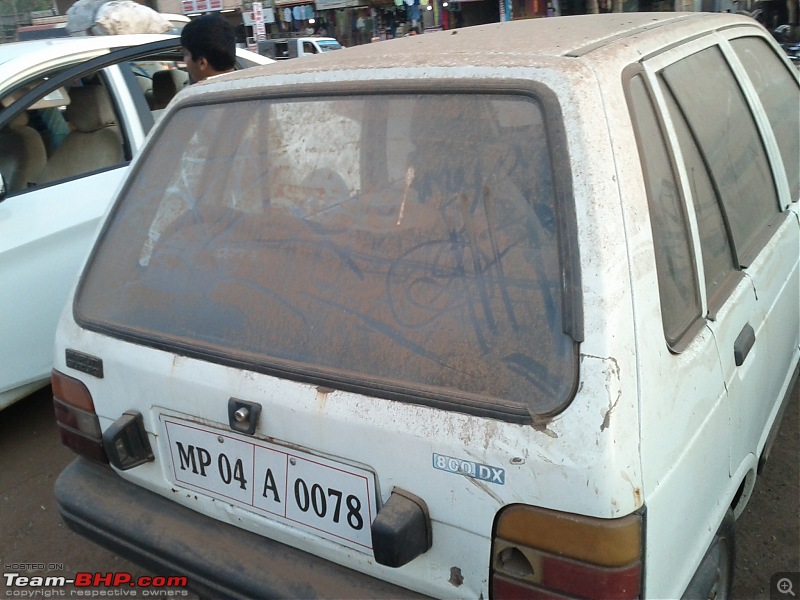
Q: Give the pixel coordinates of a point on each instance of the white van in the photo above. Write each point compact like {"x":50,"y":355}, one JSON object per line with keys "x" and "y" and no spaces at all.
{"x":509,"y":313}
{"x":280,"y":49}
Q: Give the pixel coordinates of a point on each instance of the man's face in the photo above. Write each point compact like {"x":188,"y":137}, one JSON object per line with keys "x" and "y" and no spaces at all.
{"x":197,"y":68}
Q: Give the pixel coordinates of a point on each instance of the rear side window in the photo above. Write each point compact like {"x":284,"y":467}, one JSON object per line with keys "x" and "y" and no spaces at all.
{"x":715,"y":243}
{"x":675,"y":263}
{"x":721,"y":122}
{"x":778,"y":91}
{"x":379,"y":243}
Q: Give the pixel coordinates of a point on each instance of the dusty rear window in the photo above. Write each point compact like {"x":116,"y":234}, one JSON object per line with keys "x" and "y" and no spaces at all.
{"x":402,"y":245}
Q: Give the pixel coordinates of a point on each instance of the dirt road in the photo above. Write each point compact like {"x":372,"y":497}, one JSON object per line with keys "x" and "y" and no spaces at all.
{"x":31,"y":532}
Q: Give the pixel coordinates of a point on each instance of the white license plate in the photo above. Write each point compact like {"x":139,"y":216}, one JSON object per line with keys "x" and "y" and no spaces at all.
{"x":331,"y":499}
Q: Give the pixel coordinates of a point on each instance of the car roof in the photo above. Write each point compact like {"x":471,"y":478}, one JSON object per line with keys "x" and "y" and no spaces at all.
{"x":625,"y":37}
{"x":19,"y":55}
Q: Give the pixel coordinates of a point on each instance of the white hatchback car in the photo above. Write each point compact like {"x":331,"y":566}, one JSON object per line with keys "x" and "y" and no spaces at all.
{"x":504,"y":312}
{"x":74,"y":113}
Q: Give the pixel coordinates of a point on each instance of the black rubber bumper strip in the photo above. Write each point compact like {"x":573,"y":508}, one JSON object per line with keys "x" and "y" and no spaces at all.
{"x":219,"y":560}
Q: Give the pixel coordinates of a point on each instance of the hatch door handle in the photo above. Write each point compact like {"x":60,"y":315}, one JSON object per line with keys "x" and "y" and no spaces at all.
{"x":744,"y":342}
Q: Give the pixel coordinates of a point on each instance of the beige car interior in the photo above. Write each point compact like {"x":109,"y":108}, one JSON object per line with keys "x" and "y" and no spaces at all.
{"x":66,"y":133}
{"x":95,"y":140}
{"x":75,"y":129}
{"x":166,"y":84}
{"x":23,"y":152}
{"x":159,"y":90}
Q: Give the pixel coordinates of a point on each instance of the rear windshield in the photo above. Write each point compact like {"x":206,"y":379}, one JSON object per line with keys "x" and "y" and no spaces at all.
{"x":406,"y":246}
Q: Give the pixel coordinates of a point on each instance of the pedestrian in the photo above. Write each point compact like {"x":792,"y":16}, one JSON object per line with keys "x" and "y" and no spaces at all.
{"x":209,"y":46}
{"x":360,"y":28}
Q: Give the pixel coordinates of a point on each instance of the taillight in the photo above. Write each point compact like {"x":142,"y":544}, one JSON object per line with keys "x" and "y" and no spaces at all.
{"x":540,"y":553}
{"x":77,"y":421}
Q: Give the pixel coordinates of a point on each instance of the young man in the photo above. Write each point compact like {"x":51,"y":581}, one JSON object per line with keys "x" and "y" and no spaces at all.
{"x":209,"y":46}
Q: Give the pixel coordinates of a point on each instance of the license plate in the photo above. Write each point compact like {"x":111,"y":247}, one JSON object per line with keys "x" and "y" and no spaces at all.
{"x":328,"y":498}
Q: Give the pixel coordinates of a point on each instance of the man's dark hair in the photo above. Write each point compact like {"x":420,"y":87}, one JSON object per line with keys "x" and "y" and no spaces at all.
{"x":213,"y":38}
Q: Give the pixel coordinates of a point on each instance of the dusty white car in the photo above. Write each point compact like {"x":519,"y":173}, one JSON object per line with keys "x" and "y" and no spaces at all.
{"x":74,"y":113}
{"x":514,"y":318}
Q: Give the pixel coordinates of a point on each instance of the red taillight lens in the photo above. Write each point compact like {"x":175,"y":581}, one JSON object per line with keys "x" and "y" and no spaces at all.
{"x":77,"y":422}
{"x":539,"y":553}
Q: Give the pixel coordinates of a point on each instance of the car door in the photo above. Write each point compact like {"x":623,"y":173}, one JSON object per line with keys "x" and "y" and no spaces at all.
{"x":739,"y":167}
{"x":46,"y":229}
{"x":772,"y":88}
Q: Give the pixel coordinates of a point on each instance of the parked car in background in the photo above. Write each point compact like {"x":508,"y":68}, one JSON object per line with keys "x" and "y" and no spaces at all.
{"x":295,"y":47}
{"x":793,"y":51}
{"x":510,"y":313}
{"x":75,"y":111}
{"x":783,"y":35}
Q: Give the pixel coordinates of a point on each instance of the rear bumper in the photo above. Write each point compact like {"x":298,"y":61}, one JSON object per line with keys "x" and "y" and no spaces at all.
{"x":219,"y":560}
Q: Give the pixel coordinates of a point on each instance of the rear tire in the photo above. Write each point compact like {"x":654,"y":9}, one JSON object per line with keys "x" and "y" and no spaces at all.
{"x":714,"y":577}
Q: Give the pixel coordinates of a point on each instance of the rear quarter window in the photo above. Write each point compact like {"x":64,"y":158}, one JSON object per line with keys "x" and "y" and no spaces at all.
{"x":674,"y":255}
{"x":382,"y":244}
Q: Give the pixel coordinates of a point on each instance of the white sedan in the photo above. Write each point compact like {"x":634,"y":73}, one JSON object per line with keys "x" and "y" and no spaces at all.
{"x":73,"y":113}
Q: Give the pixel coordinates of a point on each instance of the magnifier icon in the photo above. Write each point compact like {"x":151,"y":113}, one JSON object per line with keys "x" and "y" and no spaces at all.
{"x":784,"y":586}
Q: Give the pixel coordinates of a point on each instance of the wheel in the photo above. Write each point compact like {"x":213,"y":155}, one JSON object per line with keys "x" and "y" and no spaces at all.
{"x":713,"y":579}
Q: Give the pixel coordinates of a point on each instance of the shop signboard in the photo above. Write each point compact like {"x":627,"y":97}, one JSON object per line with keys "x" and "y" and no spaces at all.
{"x":332,"y":4}
{"x":258,"y":17}
{"x":200,"y":6}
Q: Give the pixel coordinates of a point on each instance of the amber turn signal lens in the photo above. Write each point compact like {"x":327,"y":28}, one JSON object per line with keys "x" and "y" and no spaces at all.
{"x":604,"y":542}
{"x":71,"y":391}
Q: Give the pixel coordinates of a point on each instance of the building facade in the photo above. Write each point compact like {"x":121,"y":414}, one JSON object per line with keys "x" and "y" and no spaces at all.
{"x":355,"y":22}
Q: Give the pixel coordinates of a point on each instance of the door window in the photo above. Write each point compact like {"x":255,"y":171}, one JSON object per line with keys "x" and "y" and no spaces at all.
{"x":778,"y":91}
{"x":720,"y":120}
{"x":69,"y":133}
{"x":101,"y":104}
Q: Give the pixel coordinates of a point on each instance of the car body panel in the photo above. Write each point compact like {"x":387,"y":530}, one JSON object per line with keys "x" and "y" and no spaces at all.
{"x":56,"y":238}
